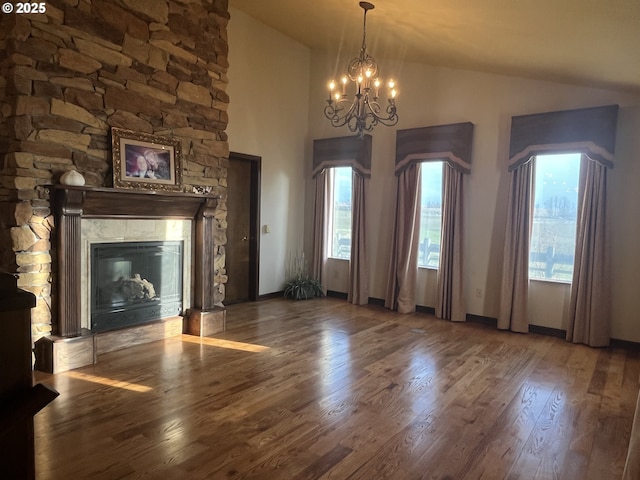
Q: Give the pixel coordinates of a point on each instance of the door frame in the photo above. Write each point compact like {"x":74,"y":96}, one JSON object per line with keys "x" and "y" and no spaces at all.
{"x":255,"y":163}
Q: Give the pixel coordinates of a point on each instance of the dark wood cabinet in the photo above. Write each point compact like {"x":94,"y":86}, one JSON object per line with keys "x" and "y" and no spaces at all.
{"x":19,"y":399}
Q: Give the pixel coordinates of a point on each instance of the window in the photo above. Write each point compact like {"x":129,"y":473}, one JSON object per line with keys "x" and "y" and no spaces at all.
{"x":430,"y":215}
{"x":340,"y":217}
{"x":553,"y":237}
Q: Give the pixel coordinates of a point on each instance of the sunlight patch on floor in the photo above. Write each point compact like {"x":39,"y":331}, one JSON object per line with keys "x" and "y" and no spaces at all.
{"x":216,"y":342}
{"x":134,"y":387}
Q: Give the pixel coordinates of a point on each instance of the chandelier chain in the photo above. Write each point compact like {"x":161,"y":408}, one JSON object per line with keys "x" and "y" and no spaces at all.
{"x":363,"y":51}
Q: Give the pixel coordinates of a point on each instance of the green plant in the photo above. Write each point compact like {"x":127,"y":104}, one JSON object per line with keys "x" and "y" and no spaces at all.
{"x":303,"y":288}
{"x":301,"y":285}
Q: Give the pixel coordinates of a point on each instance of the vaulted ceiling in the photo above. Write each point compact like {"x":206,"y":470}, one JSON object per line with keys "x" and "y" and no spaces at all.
{"x":586,"y":42}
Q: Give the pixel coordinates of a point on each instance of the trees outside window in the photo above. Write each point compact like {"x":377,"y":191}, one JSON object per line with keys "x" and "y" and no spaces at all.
{"x":430,"y":214}
{"x":340,"y":219}
{"x":553,"y":236}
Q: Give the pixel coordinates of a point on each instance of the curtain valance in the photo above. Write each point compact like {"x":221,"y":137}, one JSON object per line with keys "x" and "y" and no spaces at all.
{"x":451,"y":143}
{"x":591,"y":131}
{"x":352,"y":151}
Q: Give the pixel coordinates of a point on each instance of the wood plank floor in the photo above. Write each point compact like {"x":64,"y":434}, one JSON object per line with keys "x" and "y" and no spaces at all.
{"x":322,"y":389}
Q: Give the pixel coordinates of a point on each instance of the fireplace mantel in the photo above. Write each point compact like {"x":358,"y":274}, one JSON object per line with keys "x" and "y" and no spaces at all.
{"x":72,"y":204}
{"x":94,"y":202}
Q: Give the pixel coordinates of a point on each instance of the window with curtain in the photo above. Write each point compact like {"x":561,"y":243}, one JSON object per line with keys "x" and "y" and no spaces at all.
{"x":430,"y":214}
{"x":591,"y":132}
{"x":339,"y":230}
{"x":553,"y":235}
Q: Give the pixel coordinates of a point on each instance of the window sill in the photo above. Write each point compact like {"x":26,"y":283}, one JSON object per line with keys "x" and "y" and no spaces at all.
{"x":550,"y":280}
{"x":421,"y":267}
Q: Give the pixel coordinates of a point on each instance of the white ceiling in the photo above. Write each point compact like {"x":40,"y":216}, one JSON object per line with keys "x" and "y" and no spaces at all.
{"x":587,"y":42}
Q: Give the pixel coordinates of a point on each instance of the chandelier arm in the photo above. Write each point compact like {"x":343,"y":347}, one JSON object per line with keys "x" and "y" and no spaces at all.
{"x":374,"y":109}
{"x":391,"y":119}
{"x":333,"y":112}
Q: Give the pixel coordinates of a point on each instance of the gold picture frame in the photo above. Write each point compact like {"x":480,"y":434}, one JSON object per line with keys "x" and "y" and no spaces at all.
{"x":143,"y":161}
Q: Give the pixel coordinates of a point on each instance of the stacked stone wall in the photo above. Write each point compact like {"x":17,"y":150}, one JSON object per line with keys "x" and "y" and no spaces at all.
{"x":68,"y":76}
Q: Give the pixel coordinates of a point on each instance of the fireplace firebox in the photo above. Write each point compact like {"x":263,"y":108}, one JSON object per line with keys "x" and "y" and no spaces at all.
{"x":134,"y":283}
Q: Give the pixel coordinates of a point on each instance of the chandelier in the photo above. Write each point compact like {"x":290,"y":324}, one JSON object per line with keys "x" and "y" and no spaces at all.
{"x":362,"y":111}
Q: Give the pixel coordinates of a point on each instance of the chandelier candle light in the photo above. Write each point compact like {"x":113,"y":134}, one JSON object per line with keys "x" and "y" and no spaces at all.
{"x":362,"y":112}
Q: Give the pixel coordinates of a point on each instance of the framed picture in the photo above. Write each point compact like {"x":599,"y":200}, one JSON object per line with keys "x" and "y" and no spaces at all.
{"x":144,"y":161}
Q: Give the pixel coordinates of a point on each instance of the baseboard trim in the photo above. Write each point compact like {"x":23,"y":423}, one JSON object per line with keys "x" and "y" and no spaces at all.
{"x":488,"y":321}
{"x":537,"y":329}
{"x":334,"y":294}
{"x":427,"y":310}
{"x":551,"y":332}
{"x":268,"y":296}
{"x":625,"y":344}
{"x":376,"y":301}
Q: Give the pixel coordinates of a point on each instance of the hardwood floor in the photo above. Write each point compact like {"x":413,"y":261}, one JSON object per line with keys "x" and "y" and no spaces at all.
{"x":322,"y":389}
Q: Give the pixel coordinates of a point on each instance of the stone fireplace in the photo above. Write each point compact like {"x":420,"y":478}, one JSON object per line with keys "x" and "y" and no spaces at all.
{"x":66,"y":78}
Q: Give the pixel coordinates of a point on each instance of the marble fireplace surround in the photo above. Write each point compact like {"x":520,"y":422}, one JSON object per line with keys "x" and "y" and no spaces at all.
{"x":83,"y":215}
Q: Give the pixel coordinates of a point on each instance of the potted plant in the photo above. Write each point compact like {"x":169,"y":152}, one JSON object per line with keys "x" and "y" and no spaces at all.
{"x":301,"y":285}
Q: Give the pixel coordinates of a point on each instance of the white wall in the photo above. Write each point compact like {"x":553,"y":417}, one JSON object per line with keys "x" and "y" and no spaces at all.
{"x":434,"y":96}
{"x":624,"y":203}
{"x":268,"y":90}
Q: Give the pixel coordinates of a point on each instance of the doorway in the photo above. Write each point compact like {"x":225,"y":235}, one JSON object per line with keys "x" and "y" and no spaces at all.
{"x":243,"y":228}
